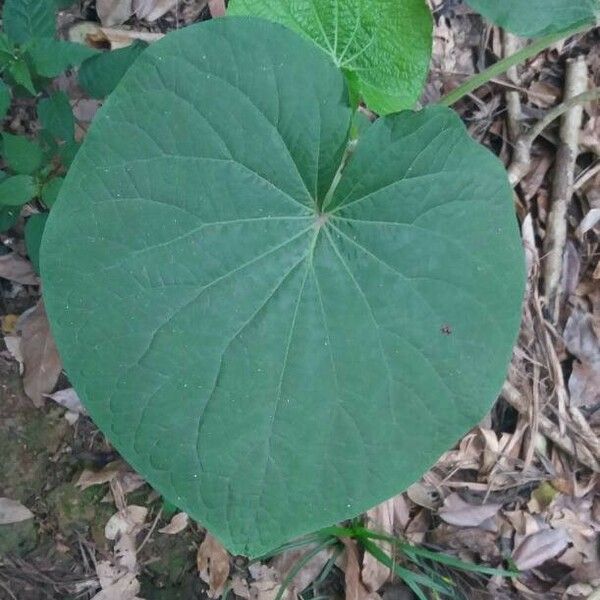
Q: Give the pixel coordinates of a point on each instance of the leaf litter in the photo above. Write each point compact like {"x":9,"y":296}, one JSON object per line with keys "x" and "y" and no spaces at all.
{"x":524,"y":484}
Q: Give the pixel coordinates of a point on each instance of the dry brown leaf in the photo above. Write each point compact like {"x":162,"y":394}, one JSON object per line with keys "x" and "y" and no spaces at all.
{"x":178,"y":523}
{"x":458,"y":512}
{"x":125,"y":522}
{"x":9,"y":324}
{"x":40,"y":356}
{"x":536,"y":549}
{"x":113,"y":12}
{"x":13,"y":345}
{"x":283,"y":563}
{"x":16,"y":268}
{"x":382,"y":519}
{"x":91,"y":34}
{"x":88,"y":478}
{"x":266,"y":582}
{"x":217,"y":8}
{"x":116,"y":583}
{"x":213,"y":565}
{"x":583,"y":341}
{"x":355,"y":590}
{"x":151,"y":10}
{"x":68,"y":399}
{"x":12,"y":511}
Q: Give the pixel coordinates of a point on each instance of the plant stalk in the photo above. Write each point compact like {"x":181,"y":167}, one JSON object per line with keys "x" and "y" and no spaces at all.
{"x":502,"y":66}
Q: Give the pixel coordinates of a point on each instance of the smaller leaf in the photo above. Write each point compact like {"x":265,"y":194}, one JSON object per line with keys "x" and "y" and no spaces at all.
{"x":20,"y":73}
{"x":8,"y":217}
{"x":6,"y":47}
{"x":27,"y":19}
{"x":42,"y":362}
{"x":52,"y":57}
{"x":213,"y":565}
{"x":539,"y":547}
{"x":16,"y":191}
{"x":12,"y":511}
{"x":22,"y":155}
{"x":114,"y":12}
{"x":5,"y":99}
{"x":100,"y":74}
{"x":50,"y":191}
{"x":34,"y":230}
{"x":67,"y":153}
{"x":15,"y":268}
{"x":56,"y":116}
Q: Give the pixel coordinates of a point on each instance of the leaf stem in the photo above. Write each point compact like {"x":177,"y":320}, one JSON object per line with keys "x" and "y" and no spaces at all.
{"x":510,"y":61}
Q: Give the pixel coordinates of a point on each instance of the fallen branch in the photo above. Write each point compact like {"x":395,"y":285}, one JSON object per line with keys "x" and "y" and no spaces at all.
{"x":562,"y":186}
{"x":550,"y":430}
{"x":522,"y":158}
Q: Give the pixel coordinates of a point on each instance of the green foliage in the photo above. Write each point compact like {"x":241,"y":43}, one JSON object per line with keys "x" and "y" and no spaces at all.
{"x":532,"y":18}
{"x":17,"y":190}
{"x":100,"y":75}
{"x":5,"y":99}
{"x":309,"y":329}
{"x":50,"y":191}
{"x":384,"y":47}
{"x":56,"y":116}
{"x":34,"y":229}
{"x":22,"y":155}
{"x":24,"y":20}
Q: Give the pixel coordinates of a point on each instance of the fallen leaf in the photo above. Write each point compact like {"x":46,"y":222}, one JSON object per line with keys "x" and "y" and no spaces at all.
{"x":355,"y":590}
{"x":108,"y":38}
{"x":178,"y":523}
{"x":213,"y":565}
{"x":217,"y":8}
{"x":9,"y":324}
{"x":283,"y":563}
{"x":40,"y":356}
{"x":116,"y":583}
{"x":151,"y":10}
{"x":16,"y":268}
{"x":266,"y":582}
{"x":536,"y":549}
{"x":113,"y":12}
{"x":125,"y":522}
{"x":381,"y":519}
{"x":89,"y":478}
{"x":458,"y":512}
{"x":68,"y":399}
{"x":13,"y":345}
{"x":12,"y":511}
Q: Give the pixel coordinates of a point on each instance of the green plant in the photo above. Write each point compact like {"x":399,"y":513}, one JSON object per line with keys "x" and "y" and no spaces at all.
{"x":30,"y":58}
{"x":431,"y":571}
{"x":383,"y":47}
{"x":279,"y":317}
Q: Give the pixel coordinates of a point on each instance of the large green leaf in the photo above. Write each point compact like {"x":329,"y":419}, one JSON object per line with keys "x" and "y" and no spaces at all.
{"x":384,"y":45}
{"x":269,"y":368}
{"x":532,"y":18}
{"x":23,"y":20}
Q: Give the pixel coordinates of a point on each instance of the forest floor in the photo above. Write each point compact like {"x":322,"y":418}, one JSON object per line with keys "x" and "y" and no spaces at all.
{"x":524,"y":485}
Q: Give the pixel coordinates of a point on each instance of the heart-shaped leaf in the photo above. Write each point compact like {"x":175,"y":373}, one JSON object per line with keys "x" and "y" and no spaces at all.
{"x":383,"y":46}
{"x":270,"y":366}
{"x":531,"y":18}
